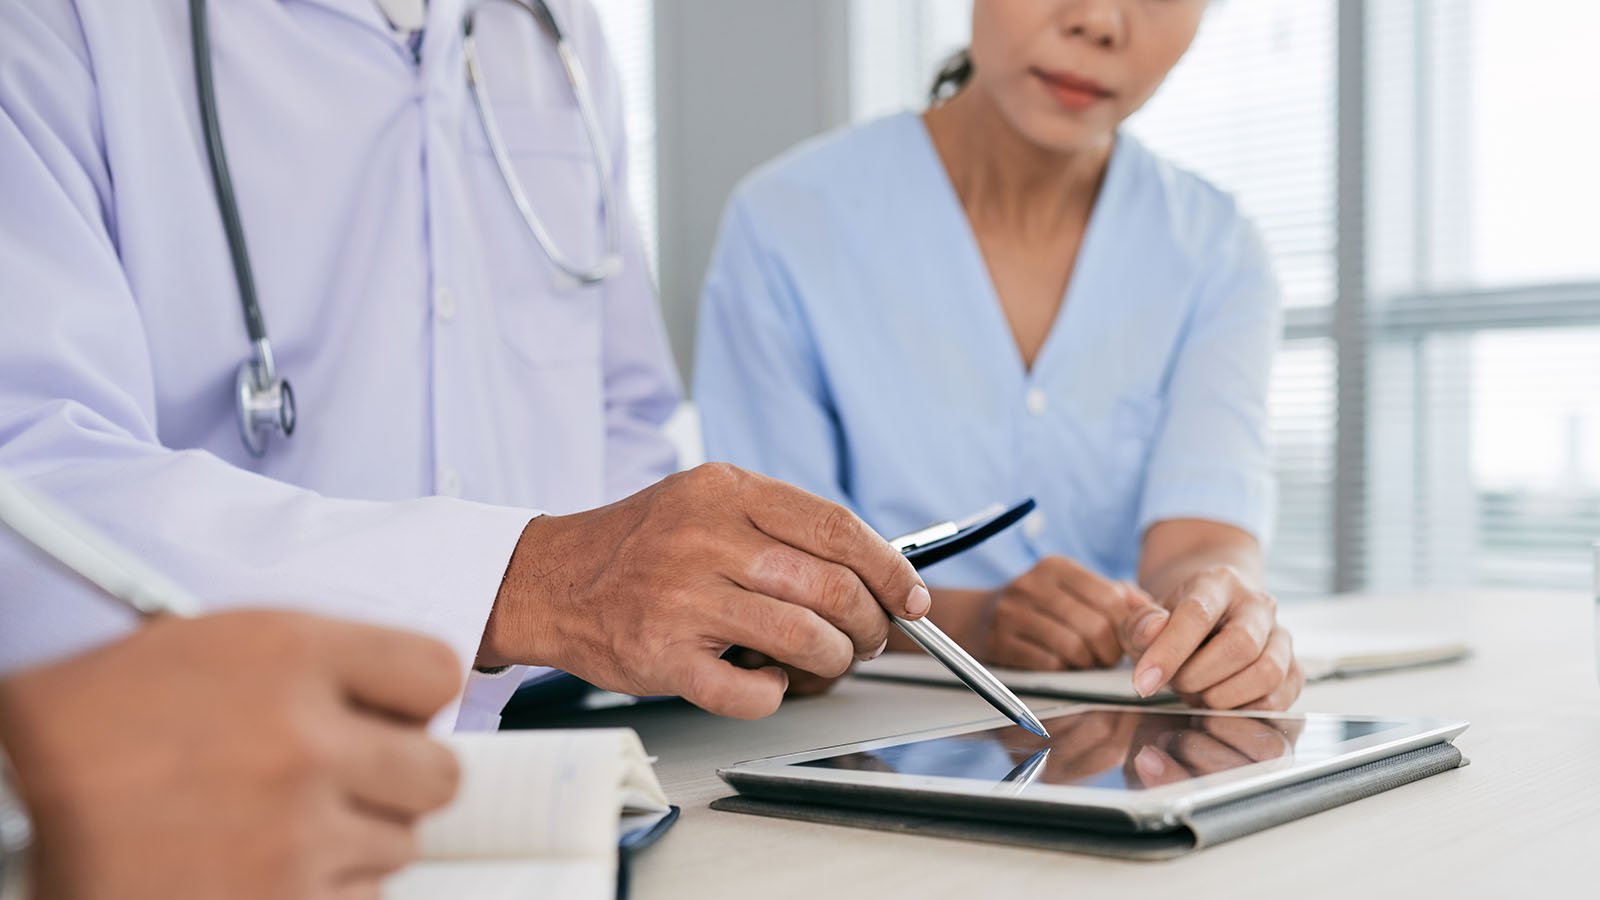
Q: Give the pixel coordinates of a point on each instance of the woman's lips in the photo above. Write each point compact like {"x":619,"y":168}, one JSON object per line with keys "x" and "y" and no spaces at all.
{"x":1072,"y":91}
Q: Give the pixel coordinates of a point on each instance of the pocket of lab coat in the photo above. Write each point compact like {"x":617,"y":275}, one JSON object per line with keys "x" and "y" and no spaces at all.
{"x":543,"y":316}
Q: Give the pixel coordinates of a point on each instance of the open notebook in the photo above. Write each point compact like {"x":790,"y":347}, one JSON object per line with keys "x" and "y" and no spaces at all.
{"x":539,"y":814}
{"x":1324,"y":652}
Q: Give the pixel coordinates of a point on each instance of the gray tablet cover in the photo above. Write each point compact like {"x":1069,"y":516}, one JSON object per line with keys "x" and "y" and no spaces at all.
{"x":1203,"y":828}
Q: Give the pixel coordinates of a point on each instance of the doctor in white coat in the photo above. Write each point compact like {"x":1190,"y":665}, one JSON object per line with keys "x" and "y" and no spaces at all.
{"x":451,"y":382}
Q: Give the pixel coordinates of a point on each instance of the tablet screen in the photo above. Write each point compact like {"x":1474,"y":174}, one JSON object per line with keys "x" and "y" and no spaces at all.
{"x":1123,"y":750}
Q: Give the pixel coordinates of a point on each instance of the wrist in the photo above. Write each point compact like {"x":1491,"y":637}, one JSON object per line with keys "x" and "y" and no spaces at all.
{"x":512,"y":635}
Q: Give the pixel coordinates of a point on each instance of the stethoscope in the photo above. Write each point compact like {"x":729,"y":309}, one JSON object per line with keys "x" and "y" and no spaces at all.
{"x":264,"y":399}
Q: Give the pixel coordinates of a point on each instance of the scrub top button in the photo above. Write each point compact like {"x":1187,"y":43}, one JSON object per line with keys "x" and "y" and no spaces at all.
{"x":450,"y":483}
{"x":1034,"y":525}
{"x":444,"y":304}
{"x":1037,"y":401}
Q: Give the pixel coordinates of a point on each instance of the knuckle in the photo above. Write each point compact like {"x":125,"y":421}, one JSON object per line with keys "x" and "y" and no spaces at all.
{"x":1272,"y":670}
{"x":1237,"y":643}
{"x":716,"y":475}
{"x":1199,"y":609}
{"x":838,"y":589}
{"x":794,"y":632}
{"x":702,"y":688}
{"x":835,"y":530}
{"x":772,"y":564}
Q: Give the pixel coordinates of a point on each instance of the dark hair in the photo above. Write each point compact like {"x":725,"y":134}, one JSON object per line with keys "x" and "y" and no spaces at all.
{"x":953,"y":75}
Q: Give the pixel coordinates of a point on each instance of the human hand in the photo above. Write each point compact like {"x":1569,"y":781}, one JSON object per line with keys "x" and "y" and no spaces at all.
{"x":1057,"y":615}
{"x":801,"y":682}
{"x":245,"y":754}
{"x":1087,"y":744}
{"x":645,"y":595}
{"x":1219,"y":744}
{"x":1217,"y":641}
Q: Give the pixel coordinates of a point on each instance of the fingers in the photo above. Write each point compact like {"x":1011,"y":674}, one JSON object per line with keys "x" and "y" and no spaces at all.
{"x":1203,"y":754}
{"x":1030,"y":624}
{"x":1078,"y":581}
{"x":1016,"y":650}
{"x":1260,"y":740}
{"x":1066,"y":609}
{"x":784,"y":631}
{"x":369,"y":848}
{"x":1257,"y":679}
{"x":1142,"y":620}
{"x":1235,"y":646}
{"x":397,"y":672}
{"x":721,"y":688}
{"x":1189,"y":625}
{"x":1090,"y":747}
{"x":828,"y":589}
{"x":1094,"y":630}
{"x":1088,"y":604}
{"x":395,"y":770}
{"x":1286,"y":693}
{"x":833,"y":533}
{"x":1156,"y":768}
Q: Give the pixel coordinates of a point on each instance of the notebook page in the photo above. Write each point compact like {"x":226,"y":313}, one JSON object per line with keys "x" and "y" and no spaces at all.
{"x":527,"y":794}
{"x":1113,"y":685}
{"x":493,"y":879}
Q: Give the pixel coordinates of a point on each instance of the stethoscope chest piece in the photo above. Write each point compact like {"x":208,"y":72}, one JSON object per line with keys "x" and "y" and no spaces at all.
{"x":265,"y":401}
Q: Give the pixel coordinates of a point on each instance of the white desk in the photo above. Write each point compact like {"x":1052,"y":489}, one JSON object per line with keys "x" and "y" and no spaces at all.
{"x":1524,"y":816}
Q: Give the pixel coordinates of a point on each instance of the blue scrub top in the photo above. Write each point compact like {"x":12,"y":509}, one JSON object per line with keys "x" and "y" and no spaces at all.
{"x":851,"y":342}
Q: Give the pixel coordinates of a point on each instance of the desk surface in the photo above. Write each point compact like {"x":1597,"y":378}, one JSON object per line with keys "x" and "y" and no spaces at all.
{"x":1525,"y":814}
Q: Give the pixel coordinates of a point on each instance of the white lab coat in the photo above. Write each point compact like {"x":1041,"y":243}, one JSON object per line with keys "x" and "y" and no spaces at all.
{"x":419,"y":322}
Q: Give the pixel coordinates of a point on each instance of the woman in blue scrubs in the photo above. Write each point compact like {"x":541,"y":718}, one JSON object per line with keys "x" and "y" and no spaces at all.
{"x":1009,"y":296}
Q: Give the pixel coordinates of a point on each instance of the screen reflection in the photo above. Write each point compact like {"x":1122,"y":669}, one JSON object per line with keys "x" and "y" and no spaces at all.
{"x":1121,"y":749}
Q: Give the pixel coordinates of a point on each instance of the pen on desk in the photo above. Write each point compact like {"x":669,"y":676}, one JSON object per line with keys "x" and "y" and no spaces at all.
{"x":82,"y":549}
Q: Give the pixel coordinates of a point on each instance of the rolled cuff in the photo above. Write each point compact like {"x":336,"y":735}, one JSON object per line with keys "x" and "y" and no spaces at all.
{"x":1245,"y":501}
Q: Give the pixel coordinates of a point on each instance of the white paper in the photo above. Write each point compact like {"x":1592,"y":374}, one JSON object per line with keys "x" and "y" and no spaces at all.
{"x":538,"y":813}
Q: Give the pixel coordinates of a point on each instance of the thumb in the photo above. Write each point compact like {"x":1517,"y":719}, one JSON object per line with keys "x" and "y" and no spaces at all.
{"x":1142,"y":622}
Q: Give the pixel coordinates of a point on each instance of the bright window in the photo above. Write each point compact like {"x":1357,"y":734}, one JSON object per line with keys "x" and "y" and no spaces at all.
{"x":1469,"y":445}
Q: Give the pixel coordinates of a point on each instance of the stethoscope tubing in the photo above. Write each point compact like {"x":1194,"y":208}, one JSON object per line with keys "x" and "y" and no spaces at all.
{"x":264,"y":401}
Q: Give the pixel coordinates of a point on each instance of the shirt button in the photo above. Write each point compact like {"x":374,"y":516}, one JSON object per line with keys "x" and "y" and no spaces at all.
{"x":1037,"y":401}
{"x":444,"y":304}
{"x":1034,"y":525}
{"x":450,"y":483}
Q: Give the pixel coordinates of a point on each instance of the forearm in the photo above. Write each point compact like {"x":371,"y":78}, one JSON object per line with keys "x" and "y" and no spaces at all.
{"x":1178,"y":550}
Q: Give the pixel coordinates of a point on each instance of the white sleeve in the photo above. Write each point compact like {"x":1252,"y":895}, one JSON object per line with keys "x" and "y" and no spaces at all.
{"x":78,"y":424}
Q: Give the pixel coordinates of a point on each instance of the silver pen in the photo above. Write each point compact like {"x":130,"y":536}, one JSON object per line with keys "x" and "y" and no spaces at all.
{"x":939,"y":645}
{"x":82,"y":549}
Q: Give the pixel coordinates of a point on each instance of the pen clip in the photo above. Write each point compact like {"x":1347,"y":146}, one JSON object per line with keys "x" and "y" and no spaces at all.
{"x":936,"y":532}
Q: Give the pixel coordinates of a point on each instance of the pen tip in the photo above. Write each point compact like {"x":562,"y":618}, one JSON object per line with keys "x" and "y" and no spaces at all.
{"x":1036,"y":728}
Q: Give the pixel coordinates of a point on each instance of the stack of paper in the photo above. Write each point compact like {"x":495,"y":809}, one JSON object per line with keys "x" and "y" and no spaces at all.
{"x":539,"y":814}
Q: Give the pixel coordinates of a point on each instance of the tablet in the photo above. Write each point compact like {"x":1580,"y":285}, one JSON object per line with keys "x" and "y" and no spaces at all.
{"x":1110,"y":768}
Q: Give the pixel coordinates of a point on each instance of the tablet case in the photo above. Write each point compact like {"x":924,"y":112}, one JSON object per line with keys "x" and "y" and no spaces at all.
{"x":1202,"y":828}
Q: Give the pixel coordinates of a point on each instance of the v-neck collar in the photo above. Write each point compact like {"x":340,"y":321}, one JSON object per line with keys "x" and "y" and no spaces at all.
{"x":1101,"y":216}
